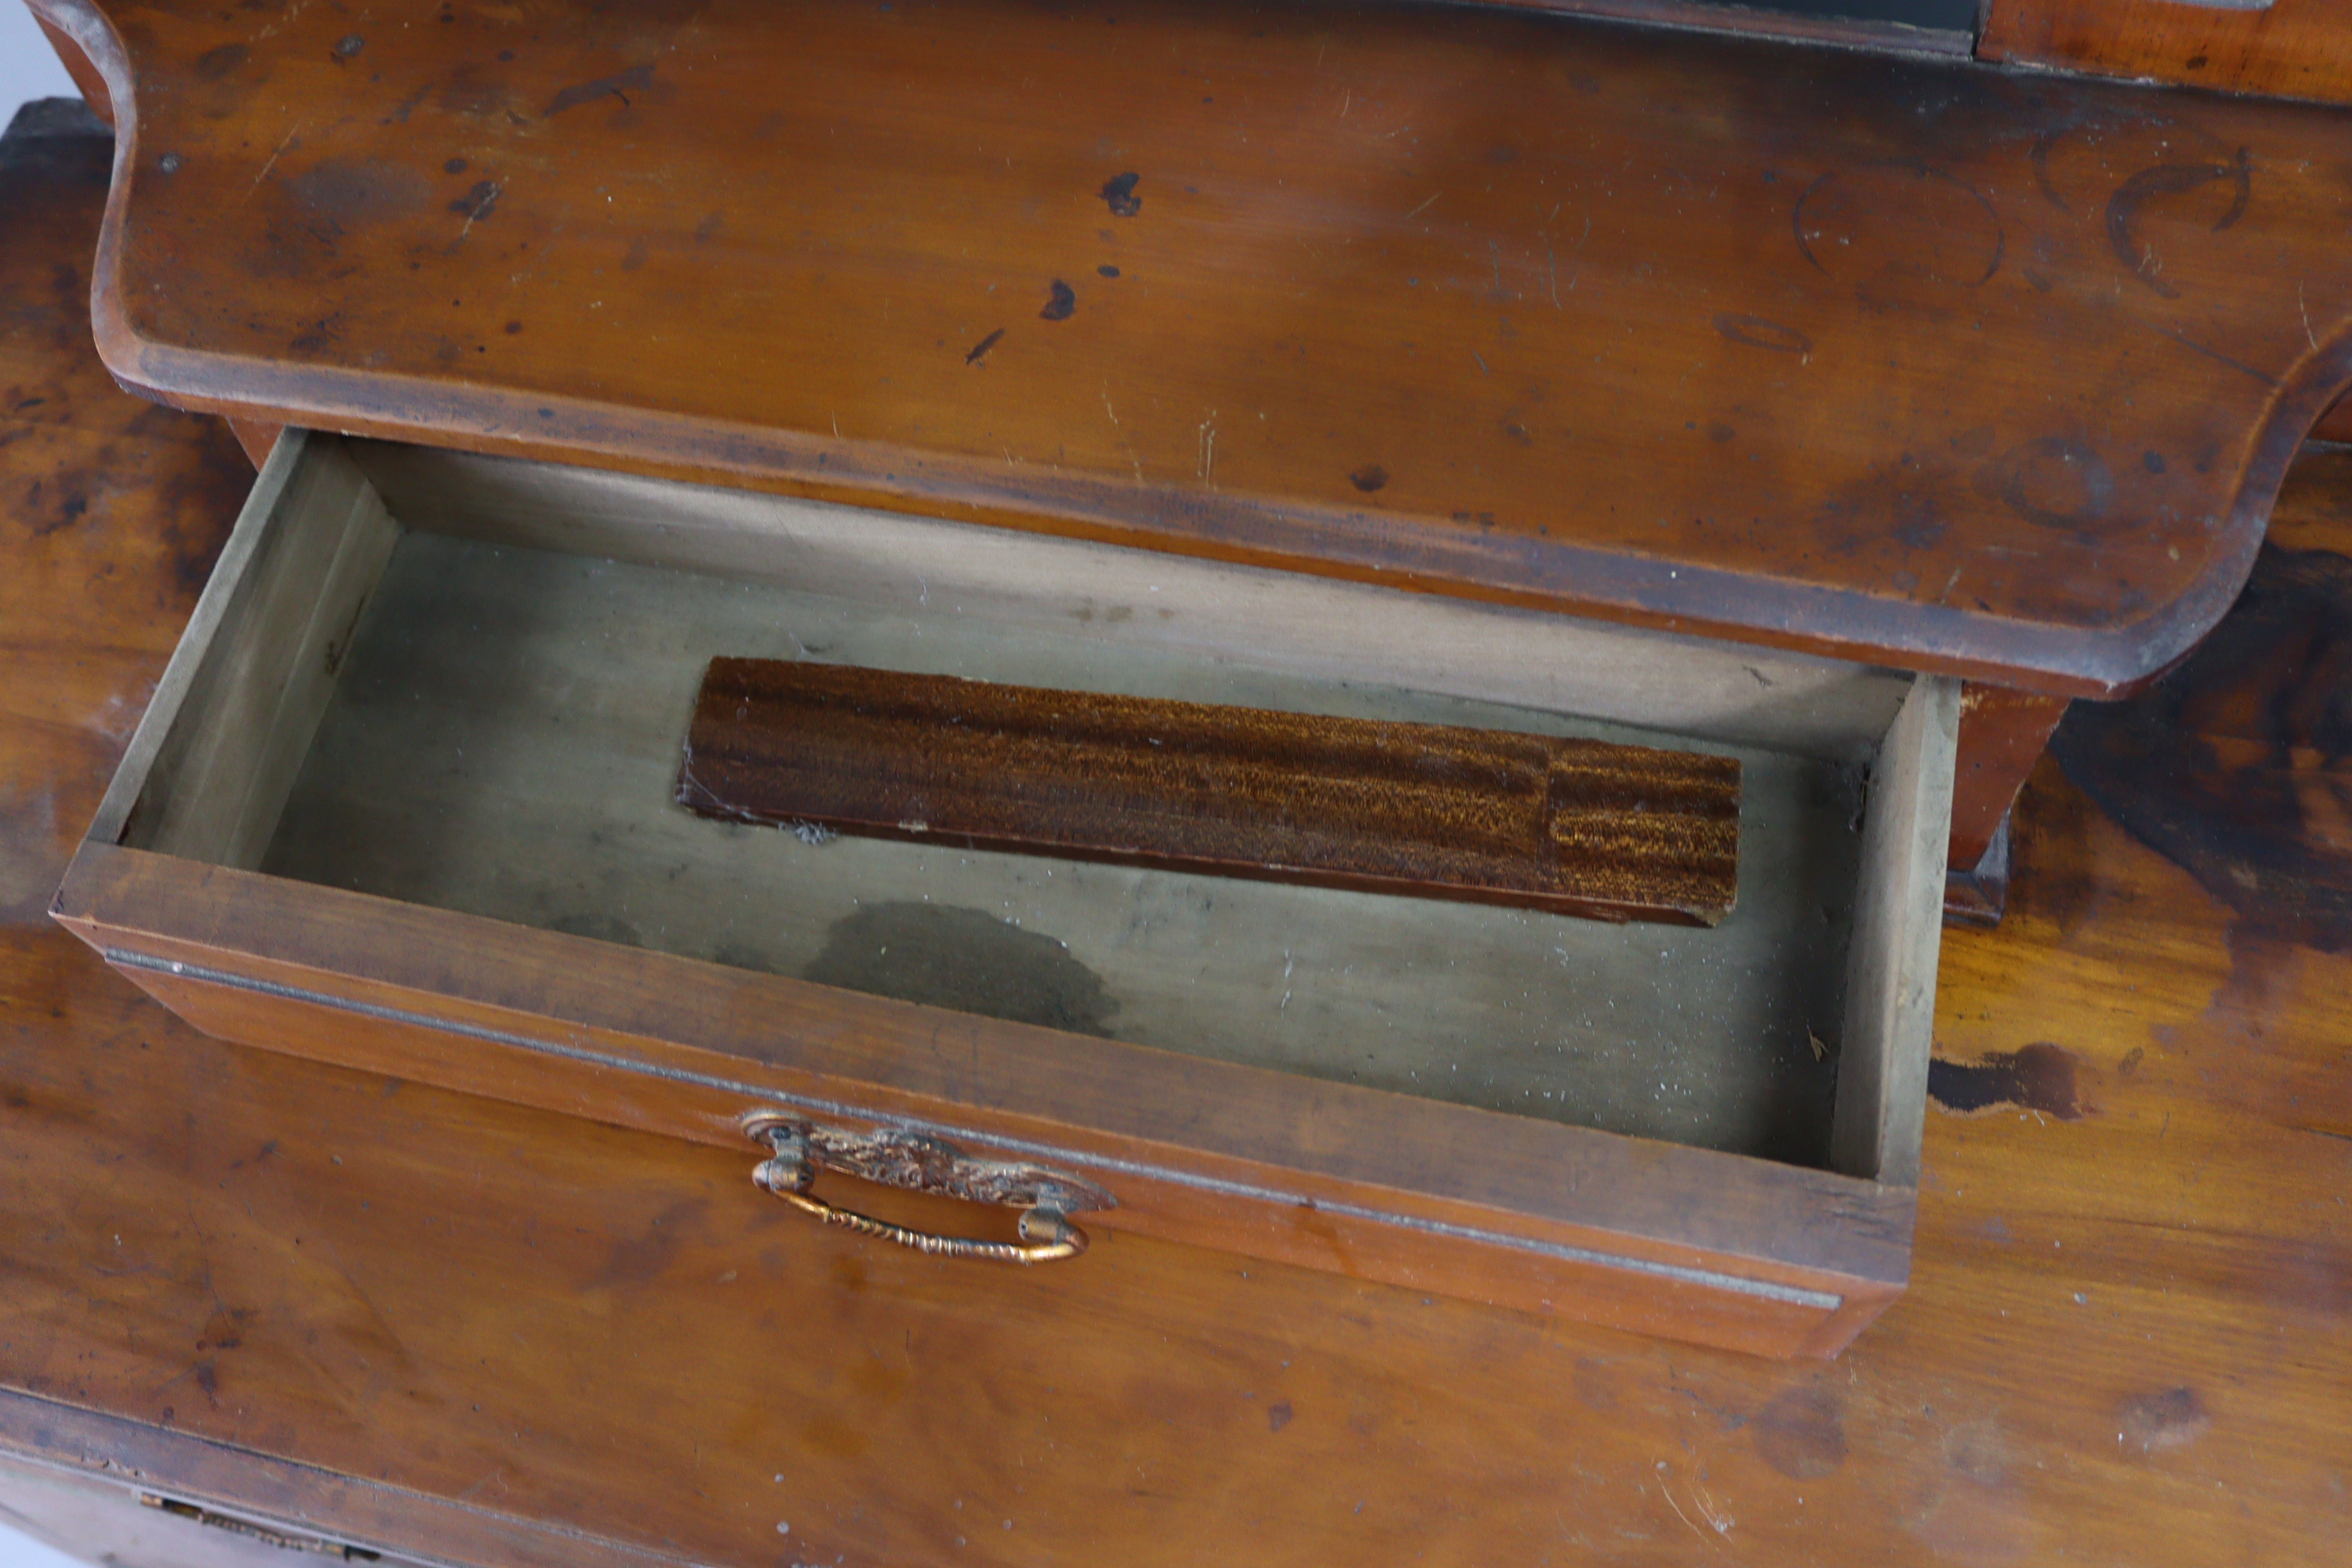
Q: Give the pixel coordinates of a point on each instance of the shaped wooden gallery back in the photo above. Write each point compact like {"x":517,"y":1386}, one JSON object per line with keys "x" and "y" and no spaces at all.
{"x":1921,"y":362}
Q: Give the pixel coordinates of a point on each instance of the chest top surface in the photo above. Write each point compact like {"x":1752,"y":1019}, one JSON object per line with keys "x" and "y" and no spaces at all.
{"x":1914,"y":362}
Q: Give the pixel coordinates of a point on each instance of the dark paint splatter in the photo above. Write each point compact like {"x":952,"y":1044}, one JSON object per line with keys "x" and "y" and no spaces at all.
{"x":980,"y":350}
{"x":1370,"y":477}
{"x":478,"y":203}
{"x":454,"y":166}
{"x":635,"y":78}
{"x":1759,"y":333}
{"x":1120,"y":191}
{"x":2040,"y":1077}
{"x":1277,"y":1416}
{"x":1107,"y":271}
{"x":1060,"y":304}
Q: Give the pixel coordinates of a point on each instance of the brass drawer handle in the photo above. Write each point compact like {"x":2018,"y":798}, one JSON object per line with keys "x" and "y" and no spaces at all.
{"x":918,"y":1163}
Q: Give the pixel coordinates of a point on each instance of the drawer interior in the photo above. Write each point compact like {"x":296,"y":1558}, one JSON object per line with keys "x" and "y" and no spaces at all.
{"x":464,"y":683}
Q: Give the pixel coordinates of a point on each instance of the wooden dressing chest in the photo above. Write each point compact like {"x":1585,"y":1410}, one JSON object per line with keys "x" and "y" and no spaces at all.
{"x":1397,"y":363}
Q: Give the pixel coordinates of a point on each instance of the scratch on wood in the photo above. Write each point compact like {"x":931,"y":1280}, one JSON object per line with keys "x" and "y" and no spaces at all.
{"x":274,"y":157}
{"x":1425,"y":205}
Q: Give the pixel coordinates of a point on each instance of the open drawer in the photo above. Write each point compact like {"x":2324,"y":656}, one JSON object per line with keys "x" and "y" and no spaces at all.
{"x":404,"y":801}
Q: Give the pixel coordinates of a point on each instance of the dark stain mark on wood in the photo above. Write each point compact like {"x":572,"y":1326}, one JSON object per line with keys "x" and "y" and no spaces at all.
{"x":317,"y":335}
{"x":1371,"y":477}
{"x":599,"y":926}
{"x":478,"y":203}
{"x":350,"y":43}
{"x":636,"y":79}
{"x":707,"y":229}
{"x":2041,"y":160}
{"x":1061,"y":303}
{"x":351,"y":192}
{"x":2039,"y":1077}
{"x":454,"y":166}
{"x":2170,"y":180}
{"x":2237,"y":766}
{"x":967,"y":960}
{"x":1120,"y":191}
{"x":72,"y":504}
{"x":2055,"y":481}
{"x":1572,"y":826}
{"x":1105,"y":271}
{"x":1277,"y":1416}
{"x":635,"y":257}
{"x":1801,"y":1433}
{"x":215,"y":64}
{"x":1760,"y":333}
{"x":640,"y":1260}
{"x":2152,"y":1423}
{"x":980,"y":350}
{"x":1950,"y":234}
{"x":2217,"y":357}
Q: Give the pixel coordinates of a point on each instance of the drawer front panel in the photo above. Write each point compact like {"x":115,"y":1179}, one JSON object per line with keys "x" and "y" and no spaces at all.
{"x":1291,"y":1214}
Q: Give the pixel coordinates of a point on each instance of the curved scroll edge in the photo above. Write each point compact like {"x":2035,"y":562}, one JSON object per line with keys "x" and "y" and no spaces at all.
{"x":2103,"y":662}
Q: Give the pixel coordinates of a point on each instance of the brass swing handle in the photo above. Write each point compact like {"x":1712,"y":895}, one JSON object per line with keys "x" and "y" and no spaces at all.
{"x":920,"y":1163}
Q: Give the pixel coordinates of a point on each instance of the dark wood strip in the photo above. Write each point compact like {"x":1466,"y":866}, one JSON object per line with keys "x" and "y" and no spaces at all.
{"x":1575,"y":826}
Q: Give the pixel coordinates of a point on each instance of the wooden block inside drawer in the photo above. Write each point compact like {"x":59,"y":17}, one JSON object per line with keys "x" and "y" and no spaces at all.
{"x":1567,"y":825}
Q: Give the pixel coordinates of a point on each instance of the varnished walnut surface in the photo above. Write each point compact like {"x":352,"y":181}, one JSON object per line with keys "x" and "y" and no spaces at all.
{"x":1926,"y":362}
{"x":2290,"y":48}
{"x":2128,"y":1335}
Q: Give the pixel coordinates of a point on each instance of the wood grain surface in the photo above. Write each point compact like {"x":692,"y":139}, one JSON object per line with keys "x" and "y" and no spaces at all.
{"x":2289,"y":48}
{"x":1928,"y":364}
{"x":1575,"y":826}
{"x":402,"y":1316}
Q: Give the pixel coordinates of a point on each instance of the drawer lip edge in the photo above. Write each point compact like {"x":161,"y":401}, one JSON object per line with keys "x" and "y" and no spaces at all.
{"x":1715,"y":1279}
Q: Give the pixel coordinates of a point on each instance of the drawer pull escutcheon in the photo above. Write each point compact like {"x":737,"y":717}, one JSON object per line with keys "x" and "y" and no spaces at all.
{"x":920,"y":1163}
